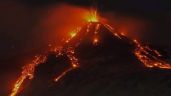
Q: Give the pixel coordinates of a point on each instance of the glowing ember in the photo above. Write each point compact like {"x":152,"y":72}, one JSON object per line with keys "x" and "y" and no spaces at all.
{"x":95,"y":41}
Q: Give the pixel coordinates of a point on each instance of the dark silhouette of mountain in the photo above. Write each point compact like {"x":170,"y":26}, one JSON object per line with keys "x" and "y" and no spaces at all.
{"x":108,"y":68}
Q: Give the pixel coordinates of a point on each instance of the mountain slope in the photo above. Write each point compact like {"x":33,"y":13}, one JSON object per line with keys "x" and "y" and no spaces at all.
{"x":108,"y":67}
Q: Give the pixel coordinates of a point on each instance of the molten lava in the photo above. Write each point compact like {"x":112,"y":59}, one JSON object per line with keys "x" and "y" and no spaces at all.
{"x":145,"y":54}
{"x":70,"y":52}
{"x":149,"y":57}
{"x":28,"y":72}
{"x":74,"y":62}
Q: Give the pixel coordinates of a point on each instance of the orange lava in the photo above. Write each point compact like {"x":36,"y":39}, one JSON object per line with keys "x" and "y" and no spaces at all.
{"x":143,"y":53}
{"x":28,"y":72}
{"x":149,"y":57}
{"x":74,"y":63}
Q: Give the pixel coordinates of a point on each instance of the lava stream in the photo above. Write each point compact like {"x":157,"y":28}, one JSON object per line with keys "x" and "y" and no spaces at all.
{"x":28,"y":72}
{"x":148,"y":56}
{"x":74,"y":63}
{"x":143,"y":53}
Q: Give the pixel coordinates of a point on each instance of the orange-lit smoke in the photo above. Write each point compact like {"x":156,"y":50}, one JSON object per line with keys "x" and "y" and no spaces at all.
{"x":130,"y":26}
{"x":58,"y":21}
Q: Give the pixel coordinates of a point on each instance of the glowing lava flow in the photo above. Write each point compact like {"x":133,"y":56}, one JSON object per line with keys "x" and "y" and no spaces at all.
{"x":96,"y":39}
{"x":29,"y":69}
{"x":74,"y":63}
{"x":144,"y":54}
{"x":69,"y":51}
{"x":28,"y":72}
{"x":148,"y":56}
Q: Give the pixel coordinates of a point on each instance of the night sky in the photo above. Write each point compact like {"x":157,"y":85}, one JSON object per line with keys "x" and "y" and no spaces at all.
{"x":23,"y":31}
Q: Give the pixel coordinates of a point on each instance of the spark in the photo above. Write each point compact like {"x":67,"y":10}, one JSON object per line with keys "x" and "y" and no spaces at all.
{"x":92,"y":16}
{"x":148,"y":56}
{"x":95,"y":41}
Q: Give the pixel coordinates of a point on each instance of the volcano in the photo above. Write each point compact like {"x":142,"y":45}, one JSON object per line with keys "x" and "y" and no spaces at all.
{"x":98,"y":61}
